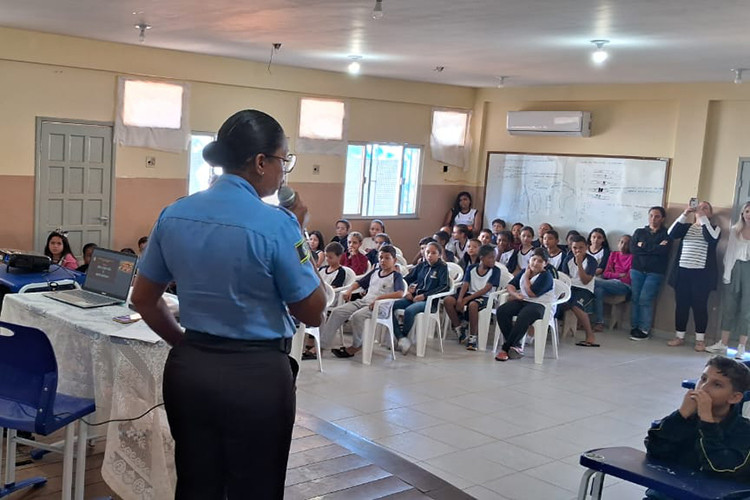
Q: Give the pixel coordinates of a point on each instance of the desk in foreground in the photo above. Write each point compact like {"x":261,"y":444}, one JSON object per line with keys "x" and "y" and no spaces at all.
{"x":672,"y":480}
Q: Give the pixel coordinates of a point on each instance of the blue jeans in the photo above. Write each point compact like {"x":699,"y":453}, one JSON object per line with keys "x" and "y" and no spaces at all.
{"x":411,"y":309}
{"x":644,"y":289}
{"x":601,"y":289}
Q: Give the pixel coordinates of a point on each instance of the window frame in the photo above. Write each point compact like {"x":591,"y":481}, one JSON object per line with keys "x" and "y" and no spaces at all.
{"x":415,"y":215}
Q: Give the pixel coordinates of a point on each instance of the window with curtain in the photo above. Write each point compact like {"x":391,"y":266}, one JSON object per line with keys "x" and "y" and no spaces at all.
{"x":449,"y":139}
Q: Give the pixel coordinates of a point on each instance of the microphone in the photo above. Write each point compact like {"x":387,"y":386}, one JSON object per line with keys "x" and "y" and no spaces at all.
{"x":287,"y":198}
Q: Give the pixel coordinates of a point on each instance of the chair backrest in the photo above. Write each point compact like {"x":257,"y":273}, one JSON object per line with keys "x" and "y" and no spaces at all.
{"x":455,"y":272}
{"x":564,"y":278}
{"x":505,"y":275}
{"x":561,"y":291}
{"x":350,"y":276}
{"x":330,"y":294}
{"x":28,"y":370}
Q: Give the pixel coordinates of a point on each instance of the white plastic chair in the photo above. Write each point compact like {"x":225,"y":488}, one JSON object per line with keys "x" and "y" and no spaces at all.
{"x":423,"y":321}
{"x":298,"y":341}
{"x":348,"y":280}
{"x":382,"y":314}
{"x":493,"y":300}
{"x":561,"y":291}
{"x":456,"y":274}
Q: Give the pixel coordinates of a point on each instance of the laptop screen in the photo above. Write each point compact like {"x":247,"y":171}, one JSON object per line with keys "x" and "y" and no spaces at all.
{"x":110,"y":273}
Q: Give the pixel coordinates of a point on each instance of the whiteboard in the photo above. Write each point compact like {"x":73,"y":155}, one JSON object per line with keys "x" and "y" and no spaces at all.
{"x":574,"y":192}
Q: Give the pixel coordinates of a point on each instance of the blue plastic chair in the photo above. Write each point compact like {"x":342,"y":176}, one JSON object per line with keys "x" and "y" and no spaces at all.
{"x":29,"y":402}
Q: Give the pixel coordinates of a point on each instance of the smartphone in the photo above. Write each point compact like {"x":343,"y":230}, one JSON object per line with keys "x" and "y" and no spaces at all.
{"x":693,"y":203}
{"x":127,"y":319}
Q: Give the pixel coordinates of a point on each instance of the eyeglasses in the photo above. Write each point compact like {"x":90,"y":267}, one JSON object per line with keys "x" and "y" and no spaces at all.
{"x":287,"y":163}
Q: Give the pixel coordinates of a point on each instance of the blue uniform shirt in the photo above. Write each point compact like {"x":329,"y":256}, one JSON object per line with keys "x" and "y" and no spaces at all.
{"x":237,"y":261}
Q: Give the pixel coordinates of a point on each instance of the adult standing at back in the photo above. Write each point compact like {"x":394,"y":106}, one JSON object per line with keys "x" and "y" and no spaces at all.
{"x":463,"y":213}
{"x":695,"y":272}
{"x":650,"y":248}
{"x":240,"y":264}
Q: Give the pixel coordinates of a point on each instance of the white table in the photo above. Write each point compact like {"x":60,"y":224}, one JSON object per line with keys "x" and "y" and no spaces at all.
{"x":125,"y":379}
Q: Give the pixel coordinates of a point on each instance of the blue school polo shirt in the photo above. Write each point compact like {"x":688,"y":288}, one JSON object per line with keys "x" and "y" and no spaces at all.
{"x":237,"y":261}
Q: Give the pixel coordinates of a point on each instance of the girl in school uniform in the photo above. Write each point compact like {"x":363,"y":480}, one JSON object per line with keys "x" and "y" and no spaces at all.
{"x":735,"y":318}
{"x":461,"y":235}
{"x":504,"y":252}
{"x":515,"y":230}
{"x":615,"y":280}
{"x":543,"y":228}
{"x":58,"y":249}
{"x":471,"y":257}
{"x":353,"y":258}
{"x":524,"y":253}
{"x":376,"y":227}
{"x":555,"y":254}
{"x":598,"y":248}
{"x":695,"y":271}
{"x":316,"y":248}
{"x":463,"y":213}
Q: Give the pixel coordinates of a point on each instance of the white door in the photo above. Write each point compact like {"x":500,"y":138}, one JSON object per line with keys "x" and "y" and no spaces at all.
{"x":73,"y":183}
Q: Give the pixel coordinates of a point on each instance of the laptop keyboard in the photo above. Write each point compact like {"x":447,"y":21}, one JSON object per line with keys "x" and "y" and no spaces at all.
{"x":90,"y":297}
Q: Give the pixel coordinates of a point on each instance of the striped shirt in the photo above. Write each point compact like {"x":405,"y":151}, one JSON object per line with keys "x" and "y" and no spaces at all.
{"x":694,"y":248}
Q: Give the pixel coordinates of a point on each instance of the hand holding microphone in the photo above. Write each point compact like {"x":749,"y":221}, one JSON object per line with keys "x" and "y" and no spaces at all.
{"x":289,"y":199}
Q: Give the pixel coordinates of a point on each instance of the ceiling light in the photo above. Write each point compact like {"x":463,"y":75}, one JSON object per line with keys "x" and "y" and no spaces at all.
{"x":599,"y":55}
{"x":142,"y":27}
{"x":738,"y":74}
{"x":354,"y":66}
{"x":501,"y":81}
{"x":377,"y":11}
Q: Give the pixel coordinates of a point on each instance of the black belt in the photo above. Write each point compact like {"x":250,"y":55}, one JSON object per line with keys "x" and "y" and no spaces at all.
{"x":215,"y":342}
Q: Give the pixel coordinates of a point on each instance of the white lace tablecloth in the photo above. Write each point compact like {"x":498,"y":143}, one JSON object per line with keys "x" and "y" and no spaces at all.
{"x":125,"y":379}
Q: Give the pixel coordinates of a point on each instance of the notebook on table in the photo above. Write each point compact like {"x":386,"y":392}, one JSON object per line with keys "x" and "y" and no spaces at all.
{"x":107,"y":281}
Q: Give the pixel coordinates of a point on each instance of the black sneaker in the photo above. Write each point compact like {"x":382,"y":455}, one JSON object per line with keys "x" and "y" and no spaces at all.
{"x":638,"y":335}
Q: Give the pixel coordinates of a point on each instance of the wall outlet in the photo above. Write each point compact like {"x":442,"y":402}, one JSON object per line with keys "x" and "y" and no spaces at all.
{"x":150,"y":162}
{"x":445,"y":168}
{"x":316,"y":169}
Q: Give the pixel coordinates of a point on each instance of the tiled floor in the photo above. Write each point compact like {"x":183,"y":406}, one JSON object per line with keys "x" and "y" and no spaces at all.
{"x":510,"y":430}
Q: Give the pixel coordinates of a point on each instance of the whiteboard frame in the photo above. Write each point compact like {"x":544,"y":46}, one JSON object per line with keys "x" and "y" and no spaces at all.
{"x":667,"y":169}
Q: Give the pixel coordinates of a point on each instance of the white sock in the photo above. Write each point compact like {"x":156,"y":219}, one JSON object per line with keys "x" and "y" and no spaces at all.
{"x":679,"y":335}
{"x":700,"y":337}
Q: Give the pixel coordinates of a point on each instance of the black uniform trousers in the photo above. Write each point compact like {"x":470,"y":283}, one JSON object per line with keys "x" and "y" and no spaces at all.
{"x":526,"y":313}
{"x":231,"y":409}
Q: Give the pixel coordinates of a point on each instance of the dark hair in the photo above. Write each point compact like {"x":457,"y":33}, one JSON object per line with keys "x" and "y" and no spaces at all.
{"x":426,"y":240}
{"x":318,"y":235}
{"x":572,"y":232}
{"x":87,"y":246}
{"x":382,"y":225}
{"x":463,"y":228}
{"x":499,"y":221}
{"x":604,"y":235}
{"x":485,"y":230}
{"x":142,"y":240}
{"x":661,"y":211}
{"x":540,"y":252}
{"x":736,"y":371}
{"x":435,"y":244}
{"x":66,"y":245}
{"x":475,"y":240}
{"x":386,"y":238}
{"x":388,"y":249}
{"x":485,"y":250}
{"x":335,"y":247}
{"x":242,"y":137}
{"x":517,"y":224}
{"x":128,"y":250}
{"x":442,"y":236}
{"x":546,"y":224}
{"x":577,"y":238}
{"x":553,"y":233}
{"x":457,"y":205}
{"x":528,"y":228}
{"x":344,"y":222}
{"x":507,"y":234}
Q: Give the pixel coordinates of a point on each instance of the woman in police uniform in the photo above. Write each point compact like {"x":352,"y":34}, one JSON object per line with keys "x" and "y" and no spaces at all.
{"x":241,"y":267}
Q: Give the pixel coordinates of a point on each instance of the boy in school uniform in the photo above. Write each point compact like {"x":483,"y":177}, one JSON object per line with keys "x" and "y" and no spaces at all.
{"x":708,"y":431}
{"x":498,"y":226}
{"x":581,"y":267}
{"x":479,"y":280}
{"x":383,"y":282}
{"x":333,"y":272}
{"x":342,"y":233}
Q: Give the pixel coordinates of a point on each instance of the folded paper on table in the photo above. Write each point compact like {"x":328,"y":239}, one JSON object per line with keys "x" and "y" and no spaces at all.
{"x":137,"y":331}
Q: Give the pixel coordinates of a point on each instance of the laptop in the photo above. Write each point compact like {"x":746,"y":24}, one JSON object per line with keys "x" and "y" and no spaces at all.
{"x":107,"y":281}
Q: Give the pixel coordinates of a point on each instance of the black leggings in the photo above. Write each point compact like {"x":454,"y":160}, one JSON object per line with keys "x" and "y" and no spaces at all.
{"x":526,"y":313}
{"x":231,"y":415}
{"x":691,"y":292}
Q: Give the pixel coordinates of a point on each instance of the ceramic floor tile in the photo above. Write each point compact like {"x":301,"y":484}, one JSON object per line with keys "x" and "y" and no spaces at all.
{"x":416,"y":445}
{"x":622,"y":490}
{"x":446,"y":411}
{"x":453,"y":479}
{"x":512,"y":456}
{"x":482,"y":493}
{"x":370,"y":427}
{"x":519,"y":486}
{"x":559,"y":474}
{"x":457,"y":436}
{"x":409,"y":418}
{"x":493,"y":426}
{"x":546,"y":443}
{"x":470,"y":465}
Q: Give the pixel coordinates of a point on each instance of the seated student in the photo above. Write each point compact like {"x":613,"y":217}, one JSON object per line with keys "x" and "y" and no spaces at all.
{"x":128,"y":250}
{"x":383,"y":282}
{"x":524,"y":253}
{"x":461,"y":235}
{"x":615,"y":280}
{"x":479,"y":280}
{"x":88,"y":249}
{"x":598,"y":248}
{"x":505,"y":253}
{"x":427,"y":278}
{"x":568,"y":236}
{"x":515,"y":230}
{"x":422,"y":245}
{"x":543,"y":228}
{"x":342,"y":232}
{"x":498,"y":226}
{"x":528,"y":293}
{"x":581,"y":267}
{"x":555,"y":254}
{"x":353,"y":258}
{"x":316,"y":241}
{"x":58,"y":249}
{"x":380,"y":240}
{"x":708,"y":432}
{"x":485,"y":237}
{"x":443,"y":238}
{"x":142,"y":244}
{"x":376,"y":227}
{"x":333,"y":272}
{"x":471,"y":257}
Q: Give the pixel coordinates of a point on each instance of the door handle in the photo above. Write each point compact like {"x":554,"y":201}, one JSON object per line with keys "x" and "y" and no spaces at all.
{"x":103,"y":218}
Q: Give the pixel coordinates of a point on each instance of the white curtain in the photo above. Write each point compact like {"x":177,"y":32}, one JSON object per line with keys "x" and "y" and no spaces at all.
{"x":450,"y":138}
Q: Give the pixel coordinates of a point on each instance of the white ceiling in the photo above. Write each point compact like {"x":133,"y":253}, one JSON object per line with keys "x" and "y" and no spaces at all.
{"x":532,"y":42}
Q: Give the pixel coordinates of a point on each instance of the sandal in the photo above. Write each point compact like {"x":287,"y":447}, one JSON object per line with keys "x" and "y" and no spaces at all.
{"x":341,"y":352}
{"x":676,"y":342}
{"x":586,"y":343}
{"x":700,"y":346}
{"x":307,"y":355}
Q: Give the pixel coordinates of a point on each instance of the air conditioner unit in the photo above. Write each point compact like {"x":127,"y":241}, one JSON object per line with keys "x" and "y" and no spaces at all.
{"x":554,"y":123}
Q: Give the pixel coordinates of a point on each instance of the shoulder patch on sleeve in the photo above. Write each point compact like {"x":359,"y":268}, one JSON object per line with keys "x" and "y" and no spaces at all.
{"x":303,"y":250}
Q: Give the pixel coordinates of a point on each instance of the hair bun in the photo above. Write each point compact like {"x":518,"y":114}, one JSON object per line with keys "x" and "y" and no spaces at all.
{"x":217,"y":154}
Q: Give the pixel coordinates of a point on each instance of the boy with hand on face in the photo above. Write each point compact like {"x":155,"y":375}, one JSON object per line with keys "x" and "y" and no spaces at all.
{"x":708,"y":431}
{"x":581,"y":267}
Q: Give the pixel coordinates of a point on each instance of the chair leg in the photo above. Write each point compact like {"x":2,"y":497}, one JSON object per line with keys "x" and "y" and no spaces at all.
{"x":315,"y":332}
{"x":83,"y":430}
{"x":298,"y":343}
{"x":555,"y":339}
{"x":440,"y":332}
{"x":67,"y":479}
{"x":368,"y":341}
{"x":421,"y":334}
{"x":393,"y":341}
{"x":10,"y":458}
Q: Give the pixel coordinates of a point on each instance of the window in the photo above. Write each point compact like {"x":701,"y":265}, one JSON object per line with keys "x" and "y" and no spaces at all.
{"x":321,"y":119}
{"x":381,"y":179}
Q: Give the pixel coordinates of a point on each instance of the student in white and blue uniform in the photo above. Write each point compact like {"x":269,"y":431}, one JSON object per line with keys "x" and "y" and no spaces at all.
{"x":242,"y":266}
